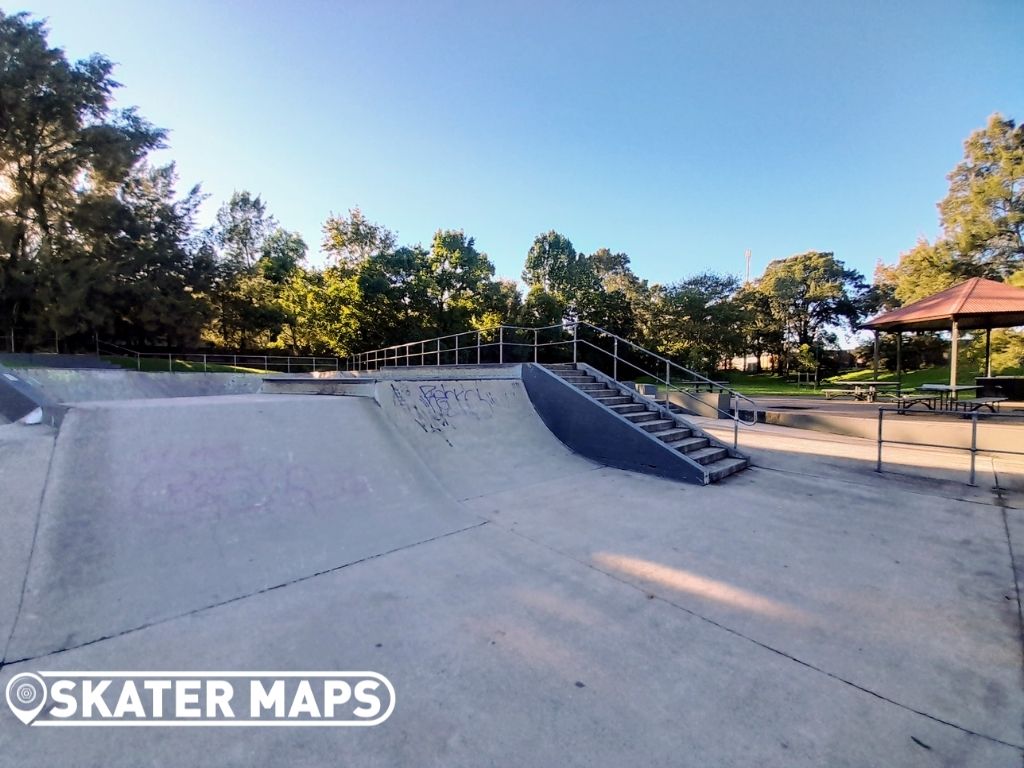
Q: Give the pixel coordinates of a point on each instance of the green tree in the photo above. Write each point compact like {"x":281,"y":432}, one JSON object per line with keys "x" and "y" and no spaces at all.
{"x":811,"y":292}
{"x":982,"y":219}
{"x":458,"y":281}
{"x":698,"y":322}
{"x":243,"y":226}
{"x":554,"y":265}
{"x":350,"y":240}
{"x":282,"y":253}
{"x":983,"y":213}
{"x":59,"y":137}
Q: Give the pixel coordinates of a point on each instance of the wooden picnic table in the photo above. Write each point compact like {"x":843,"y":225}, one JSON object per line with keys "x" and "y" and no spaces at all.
{"x":860,"y":390}
{"x":947,"y":395}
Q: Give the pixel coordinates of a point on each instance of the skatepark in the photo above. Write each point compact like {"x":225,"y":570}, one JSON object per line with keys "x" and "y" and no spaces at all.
{"x":524,"y":600}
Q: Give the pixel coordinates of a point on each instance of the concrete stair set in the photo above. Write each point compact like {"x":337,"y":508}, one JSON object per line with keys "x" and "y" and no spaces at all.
{"x":658,"y":421}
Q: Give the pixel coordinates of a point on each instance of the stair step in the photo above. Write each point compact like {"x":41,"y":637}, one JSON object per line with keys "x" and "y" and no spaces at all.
{"x":561,"y":367}
{"x":660,"y":425}
{"x":614,"y":400}
{"x":639,"y":418}
{"x":708,"y":455}
{"x":669,"y":435}
{"x":577,"y":378}
{"x":592,"y":386}
{"x":690,"y":443}
{"x":725,"y":467}
{"x":602,"y":394}
{"x":626,"y":408}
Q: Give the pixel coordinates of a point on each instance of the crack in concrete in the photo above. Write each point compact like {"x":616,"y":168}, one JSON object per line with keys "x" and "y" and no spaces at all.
{"x":238,"y":598}
{"x":779,"y":652}
{"x":32,"y":547}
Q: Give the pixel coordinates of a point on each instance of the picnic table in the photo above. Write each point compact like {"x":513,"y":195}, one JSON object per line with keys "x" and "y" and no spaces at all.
{"x":944,"y":397}
{"x":860,"y":390}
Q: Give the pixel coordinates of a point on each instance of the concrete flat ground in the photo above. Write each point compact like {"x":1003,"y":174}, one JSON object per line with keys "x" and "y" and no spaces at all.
{"x":530,"y":607}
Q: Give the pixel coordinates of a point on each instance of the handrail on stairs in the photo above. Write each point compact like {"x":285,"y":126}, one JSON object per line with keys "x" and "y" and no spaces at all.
{"x":431,"y":350}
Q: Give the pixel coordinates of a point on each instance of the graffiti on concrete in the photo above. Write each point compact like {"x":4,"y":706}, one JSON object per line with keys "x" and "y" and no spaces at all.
{"x":435,"y":406}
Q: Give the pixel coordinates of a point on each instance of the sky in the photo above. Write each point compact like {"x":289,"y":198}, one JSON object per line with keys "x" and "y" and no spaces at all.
{"x":680,"y":133}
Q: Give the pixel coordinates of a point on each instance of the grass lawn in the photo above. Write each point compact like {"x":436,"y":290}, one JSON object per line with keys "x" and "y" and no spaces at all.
{"x":769,"y":385}
{"x":939,"y":375}
{"x":752,"y":384}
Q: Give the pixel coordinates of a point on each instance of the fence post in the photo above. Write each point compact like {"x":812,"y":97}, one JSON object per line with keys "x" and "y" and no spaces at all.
{"x":478,"y":347}
{"x":314,"y":363}
{"x":535,"y":345}
{"x":138,"y":361}
{"x":615,"y":360}
{"x":266,"y":363}
{"x":234,"y":360}
{"x":170,"y":363}
{"x":974,"y":444}
{"x":501,"y":344}
{"x":736,"y":428}
{"x":204,"y":363}
{"x":878,"y":465}
{"x":456,"y":349}
{"x":668,"y":385}
{"x":438,"y":353}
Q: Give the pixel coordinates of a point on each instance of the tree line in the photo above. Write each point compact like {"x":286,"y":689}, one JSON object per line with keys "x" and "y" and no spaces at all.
{"x":97,"y":241}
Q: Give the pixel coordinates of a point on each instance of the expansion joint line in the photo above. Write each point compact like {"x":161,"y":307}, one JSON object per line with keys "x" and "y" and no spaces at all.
{"x":239,"y":598}
{"x":31,"y":549}
{"x":765,"y":646}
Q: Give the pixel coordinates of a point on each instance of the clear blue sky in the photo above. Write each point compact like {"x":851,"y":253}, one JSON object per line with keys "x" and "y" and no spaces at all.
{"x":680,"y":133}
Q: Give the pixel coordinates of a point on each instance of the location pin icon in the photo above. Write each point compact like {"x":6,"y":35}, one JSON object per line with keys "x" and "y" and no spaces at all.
{"x":26,"y":696}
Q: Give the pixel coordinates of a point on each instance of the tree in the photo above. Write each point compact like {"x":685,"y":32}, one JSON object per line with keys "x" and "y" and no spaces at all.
{"x":243,"y":226}
{"x":982,"y":219}
{"x":698,"y":321}
{"x":810,"y":292}
{"x":554,"y":265}
{"x":459,"y":276}
{"x":983,"y":213}
{"x":351,"y":240}
{"x":281,"y":255}
{"x":59,"y":136}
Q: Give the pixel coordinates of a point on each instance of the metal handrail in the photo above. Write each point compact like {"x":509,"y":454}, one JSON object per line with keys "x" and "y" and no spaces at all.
{"x":281,"y":363}
{"x":975,"y":416}
{"x":430,"y":351}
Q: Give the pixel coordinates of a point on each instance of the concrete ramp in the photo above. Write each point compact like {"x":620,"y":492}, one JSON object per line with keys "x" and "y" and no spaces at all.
{"x":157,"y":508}
{"x":477,"y":435}
{"x":73,"y":386}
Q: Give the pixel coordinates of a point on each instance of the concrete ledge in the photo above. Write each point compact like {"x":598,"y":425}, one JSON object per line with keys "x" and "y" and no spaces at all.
{"x":345,"y":387}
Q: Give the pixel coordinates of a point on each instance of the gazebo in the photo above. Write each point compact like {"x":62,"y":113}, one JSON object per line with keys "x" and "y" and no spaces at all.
{"x":971,"y":305}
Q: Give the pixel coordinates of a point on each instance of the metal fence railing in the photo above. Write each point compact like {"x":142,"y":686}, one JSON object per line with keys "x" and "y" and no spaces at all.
{"x":576,"y":342}
{"x":205,"y":361}
{"x":977,"y":420}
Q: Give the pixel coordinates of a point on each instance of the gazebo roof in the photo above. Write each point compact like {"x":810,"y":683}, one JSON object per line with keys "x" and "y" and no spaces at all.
{"x":974,"y":303}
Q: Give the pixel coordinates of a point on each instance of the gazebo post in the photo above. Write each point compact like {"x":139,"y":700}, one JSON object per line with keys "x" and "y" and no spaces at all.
{"x":953,"y":354}
{"x":988,"y":352}
{"x":876,"y":356}
{"x":899,"y":359}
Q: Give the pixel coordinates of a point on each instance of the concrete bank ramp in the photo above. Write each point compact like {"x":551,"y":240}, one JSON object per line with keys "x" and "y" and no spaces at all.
{"x":74,"y":386}
{"x":477,"y":435}
{"x":158,"y":508}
